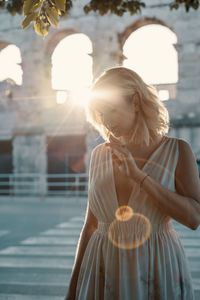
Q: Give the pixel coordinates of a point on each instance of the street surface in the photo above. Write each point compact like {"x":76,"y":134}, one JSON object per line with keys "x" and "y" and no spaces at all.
{"x":38,"y":240}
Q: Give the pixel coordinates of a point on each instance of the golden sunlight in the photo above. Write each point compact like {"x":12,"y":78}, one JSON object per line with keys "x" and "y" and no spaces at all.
{"x":61,"y":97}
{"x":80,"y":96}
{"x":163,"y":94}
{"x":124,"y":213}
{"x":72,"y":68}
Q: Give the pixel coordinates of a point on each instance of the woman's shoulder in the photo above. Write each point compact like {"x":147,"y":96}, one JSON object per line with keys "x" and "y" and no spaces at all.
{"x":180,"y":141}
{"x":177,"y":139}
{"x":183,"y":147}
{"x":98,"y":148}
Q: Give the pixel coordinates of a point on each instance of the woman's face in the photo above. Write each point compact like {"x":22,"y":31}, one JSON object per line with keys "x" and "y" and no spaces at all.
{"x":118,"y":115}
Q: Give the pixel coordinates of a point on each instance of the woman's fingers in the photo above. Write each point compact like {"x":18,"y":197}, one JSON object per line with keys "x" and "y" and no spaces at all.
{"x":116,"y":158}
{"x":126,"y":166}
{"x":120,"y":147}
{"x":124,"y":158}
{"x":121,"y":163}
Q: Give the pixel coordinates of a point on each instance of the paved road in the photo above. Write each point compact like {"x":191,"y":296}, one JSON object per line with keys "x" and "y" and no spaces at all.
{"x":38,"y":240}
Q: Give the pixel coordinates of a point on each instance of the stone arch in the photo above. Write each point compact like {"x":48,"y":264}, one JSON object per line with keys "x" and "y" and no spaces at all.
{"x":51,"y":42}
{"x":4,"y":44}
{"x":48,"y":50}
{"x":55,"y":38}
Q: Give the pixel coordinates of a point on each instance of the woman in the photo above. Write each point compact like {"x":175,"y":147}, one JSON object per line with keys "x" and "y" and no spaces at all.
{"x":139,"y":180}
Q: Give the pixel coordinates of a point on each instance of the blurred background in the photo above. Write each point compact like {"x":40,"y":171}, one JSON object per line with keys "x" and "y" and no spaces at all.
{"x":46,"y":142}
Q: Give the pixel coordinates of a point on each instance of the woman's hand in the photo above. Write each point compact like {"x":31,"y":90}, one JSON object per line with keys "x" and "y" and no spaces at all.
{"x":124,"y":160}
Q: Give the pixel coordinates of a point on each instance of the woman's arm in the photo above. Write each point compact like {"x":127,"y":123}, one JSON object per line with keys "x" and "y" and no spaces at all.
{"x":90,"y":225}
{"x":184,"y":204}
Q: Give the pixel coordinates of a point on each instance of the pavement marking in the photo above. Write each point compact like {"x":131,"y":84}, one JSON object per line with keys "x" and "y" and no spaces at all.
{"x":192,"y":234}
{"x":196,"y":283}
{"x":34,"y":276}
{"x":28,"y":297}
{"x":191,"y":252}
{"x":69,"y":225}
{"x":194,"y":265}
{"x":190,"y":242}
{"x":48,"y":240}
{"x":4,"y":232}
{"x":65,"y":250}
{"x":36,"y":262}
{"x":62,"y":231}
{"x":46,"y":262}
{"x":77,"y":219}
{"x":42,"y":250}
{"x":55,"y":249}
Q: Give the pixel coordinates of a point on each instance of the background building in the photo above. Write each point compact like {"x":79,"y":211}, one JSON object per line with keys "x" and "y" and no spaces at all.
{"x":43,"y":129}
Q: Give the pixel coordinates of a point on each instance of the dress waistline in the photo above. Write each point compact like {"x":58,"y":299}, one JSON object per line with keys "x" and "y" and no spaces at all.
{"x":129,"y":228}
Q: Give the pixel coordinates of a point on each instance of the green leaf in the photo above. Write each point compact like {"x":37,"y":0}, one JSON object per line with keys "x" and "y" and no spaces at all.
{"x":60,"y":4}
{"x":28,"y":19}
{"x":52,"y":15}
{"x":31,"y":5}
{"x":40,"y":27}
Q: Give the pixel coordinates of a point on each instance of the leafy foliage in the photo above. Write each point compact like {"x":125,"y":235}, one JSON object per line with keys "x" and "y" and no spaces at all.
{"x":187,"y":3}
{"x":45,"y":13}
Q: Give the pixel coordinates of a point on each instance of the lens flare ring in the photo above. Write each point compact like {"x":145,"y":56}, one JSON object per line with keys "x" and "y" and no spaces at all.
{"x":119,"y":232}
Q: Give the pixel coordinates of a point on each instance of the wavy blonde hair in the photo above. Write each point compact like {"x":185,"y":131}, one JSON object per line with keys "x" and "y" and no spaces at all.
{"x":152,"y":116}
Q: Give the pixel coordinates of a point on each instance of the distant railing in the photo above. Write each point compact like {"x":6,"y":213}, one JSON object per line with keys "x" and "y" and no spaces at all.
{"x":44,"y":184}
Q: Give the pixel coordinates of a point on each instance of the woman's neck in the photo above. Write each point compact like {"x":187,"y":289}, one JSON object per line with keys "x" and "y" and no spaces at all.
{"x":154,"y":140}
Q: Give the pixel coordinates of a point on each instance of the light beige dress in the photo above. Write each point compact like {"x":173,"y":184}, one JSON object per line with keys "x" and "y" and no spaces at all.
{"x":139,"y":256}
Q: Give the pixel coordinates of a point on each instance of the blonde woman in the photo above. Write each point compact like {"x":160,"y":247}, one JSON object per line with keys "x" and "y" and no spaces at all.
{"x":139,"y":180}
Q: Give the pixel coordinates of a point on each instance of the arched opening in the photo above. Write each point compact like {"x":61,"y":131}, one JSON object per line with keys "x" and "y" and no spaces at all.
{"x":150,"y":51}
{"x":72,"y":69}
{"x":10,"y":62}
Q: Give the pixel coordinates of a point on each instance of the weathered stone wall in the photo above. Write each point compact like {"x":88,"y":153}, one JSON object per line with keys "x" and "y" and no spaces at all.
{"x":33,"y":105}
{"x":29,"y":157}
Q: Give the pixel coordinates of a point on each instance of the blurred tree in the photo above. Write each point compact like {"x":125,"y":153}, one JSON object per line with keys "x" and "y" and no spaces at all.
{"x":44,"y":13}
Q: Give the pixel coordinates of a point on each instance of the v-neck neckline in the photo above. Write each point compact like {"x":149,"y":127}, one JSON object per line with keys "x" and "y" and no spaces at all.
{"x":141,"y":169}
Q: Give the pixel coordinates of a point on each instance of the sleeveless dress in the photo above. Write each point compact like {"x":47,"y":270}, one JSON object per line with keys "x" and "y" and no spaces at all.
{"x":139,"y":256}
